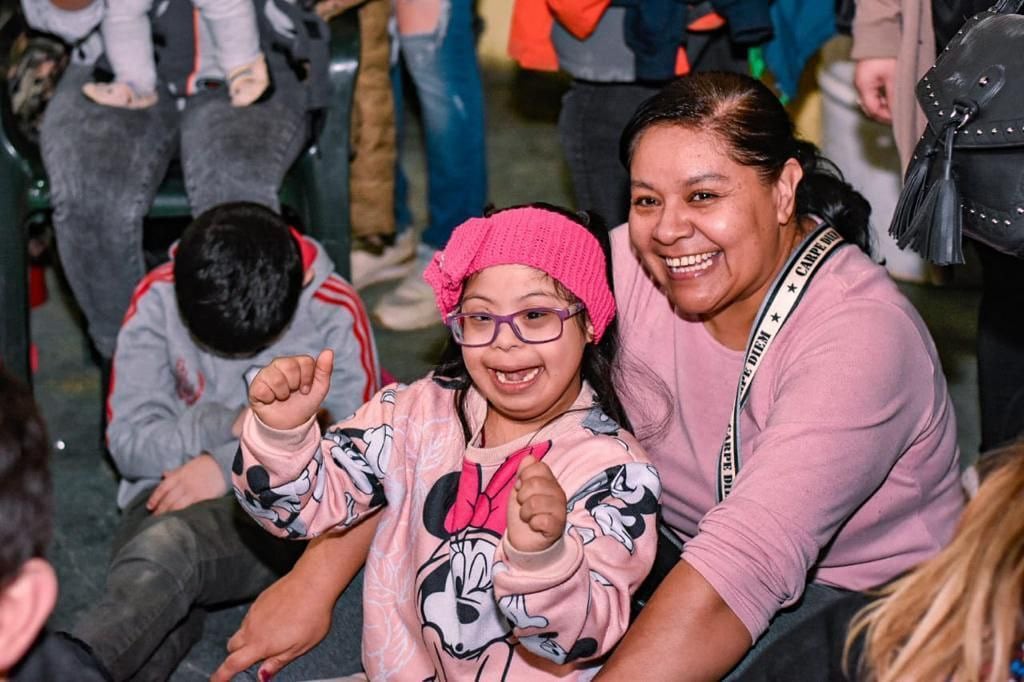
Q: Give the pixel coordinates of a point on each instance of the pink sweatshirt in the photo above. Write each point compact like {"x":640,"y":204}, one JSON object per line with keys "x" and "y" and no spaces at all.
{"x":445,"y":594}
{"x":850,"y":470}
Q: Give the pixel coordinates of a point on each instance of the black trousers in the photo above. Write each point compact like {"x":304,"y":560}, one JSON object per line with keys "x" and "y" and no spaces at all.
{"x":1000,"y":348}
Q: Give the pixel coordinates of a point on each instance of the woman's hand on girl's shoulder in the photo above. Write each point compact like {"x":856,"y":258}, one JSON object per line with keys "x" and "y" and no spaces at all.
{"x":289,"y":391}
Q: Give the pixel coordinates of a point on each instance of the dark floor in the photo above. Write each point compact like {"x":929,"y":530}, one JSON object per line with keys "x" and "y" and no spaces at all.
{"x":525,"y":165}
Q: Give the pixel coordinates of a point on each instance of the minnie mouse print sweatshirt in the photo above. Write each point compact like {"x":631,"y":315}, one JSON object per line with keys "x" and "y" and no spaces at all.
{"x":445,"y":594}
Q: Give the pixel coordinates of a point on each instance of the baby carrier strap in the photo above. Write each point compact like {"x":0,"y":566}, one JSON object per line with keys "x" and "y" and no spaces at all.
{"x":294,"y":31}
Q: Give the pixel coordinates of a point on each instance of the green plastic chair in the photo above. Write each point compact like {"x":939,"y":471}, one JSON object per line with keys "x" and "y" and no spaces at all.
{"x":316,"y":188}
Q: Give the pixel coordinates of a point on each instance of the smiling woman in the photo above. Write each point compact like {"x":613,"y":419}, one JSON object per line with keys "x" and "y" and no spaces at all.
{"x":836,"y":465}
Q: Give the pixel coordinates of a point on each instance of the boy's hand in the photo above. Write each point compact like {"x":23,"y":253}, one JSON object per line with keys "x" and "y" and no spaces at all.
{"x":536,"y":509}
{"x":288,"y":391}
{"x":196,"y":480}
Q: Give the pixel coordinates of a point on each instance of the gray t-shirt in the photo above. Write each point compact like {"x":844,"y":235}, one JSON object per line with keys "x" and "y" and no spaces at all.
{"x":603,"y":56}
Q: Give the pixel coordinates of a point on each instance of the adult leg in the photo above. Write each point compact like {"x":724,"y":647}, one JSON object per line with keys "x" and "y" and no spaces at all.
{"x":241,"y":153}
{"x":403,"y":214}
{"x":445,"y":72}
{"x":589,"y":125}
{"x":104,"y":165}
{"x":1000,"y":348}
{"x":164,"y":576}
{"x":372,"y":171}
{"x":438,"y":47}
{"x":373,"y":174}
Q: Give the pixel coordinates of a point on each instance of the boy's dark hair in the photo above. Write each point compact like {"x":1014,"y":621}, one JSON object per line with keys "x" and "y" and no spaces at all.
{"x":237,"y":277}
{"x":26,"y":511}
{"x":599,"y":365}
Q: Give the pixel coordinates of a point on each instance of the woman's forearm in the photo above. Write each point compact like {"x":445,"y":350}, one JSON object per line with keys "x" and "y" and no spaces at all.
{"x":685,"y":632}
{"x":331,"y":561}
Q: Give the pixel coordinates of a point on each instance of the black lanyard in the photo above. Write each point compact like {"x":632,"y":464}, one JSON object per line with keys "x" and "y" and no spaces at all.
{"x":786,"y":291}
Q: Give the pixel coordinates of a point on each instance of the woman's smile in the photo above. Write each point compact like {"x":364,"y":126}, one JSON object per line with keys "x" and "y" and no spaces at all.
{"x":711,"y":231}
{"x":692,"y":266}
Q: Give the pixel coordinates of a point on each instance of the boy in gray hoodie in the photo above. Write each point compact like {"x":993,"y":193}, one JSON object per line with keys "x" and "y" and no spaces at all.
{"x":242,"y":288}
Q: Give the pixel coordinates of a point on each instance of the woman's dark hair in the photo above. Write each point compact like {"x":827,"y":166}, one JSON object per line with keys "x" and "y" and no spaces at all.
{"x":758,"y":132}
{"x":237,"y":277}
{"x":599,"y":366}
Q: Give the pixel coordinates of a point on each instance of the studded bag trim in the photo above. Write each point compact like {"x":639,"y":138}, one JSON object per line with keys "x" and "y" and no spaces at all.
{"x":967,"y":172}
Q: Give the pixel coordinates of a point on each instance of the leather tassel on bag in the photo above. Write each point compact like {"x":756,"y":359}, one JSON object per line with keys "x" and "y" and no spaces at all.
{"x":911,"y":197}
{"x":936,"y":224}
{"x":966,"y":177}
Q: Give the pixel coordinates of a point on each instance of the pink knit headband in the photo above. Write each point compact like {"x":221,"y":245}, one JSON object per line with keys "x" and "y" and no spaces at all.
{"x":539,"y":238}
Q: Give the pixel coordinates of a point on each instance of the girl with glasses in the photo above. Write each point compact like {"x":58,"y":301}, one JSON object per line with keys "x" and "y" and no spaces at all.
{"x":518,"y":511}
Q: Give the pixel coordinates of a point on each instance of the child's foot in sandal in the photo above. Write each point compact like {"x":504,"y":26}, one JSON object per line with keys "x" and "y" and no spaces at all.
{"x":117,"y":94}
{"x":248,"y":82}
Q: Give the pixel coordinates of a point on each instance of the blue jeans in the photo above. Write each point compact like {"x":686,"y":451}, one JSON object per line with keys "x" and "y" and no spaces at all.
{"x":105,"y":165}
{"x":446,"y":75}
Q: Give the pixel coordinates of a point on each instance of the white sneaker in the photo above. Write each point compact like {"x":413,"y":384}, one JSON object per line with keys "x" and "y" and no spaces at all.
{"x":412,"y":304}
{"x":391,"y":263}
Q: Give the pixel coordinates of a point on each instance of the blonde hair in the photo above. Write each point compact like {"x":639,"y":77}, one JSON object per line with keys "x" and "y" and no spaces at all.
{"x":958,"y":615}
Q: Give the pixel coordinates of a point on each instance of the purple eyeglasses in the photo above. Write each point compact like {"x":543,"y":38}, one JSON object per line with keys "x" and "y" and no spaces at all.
{"x":533,"y":325}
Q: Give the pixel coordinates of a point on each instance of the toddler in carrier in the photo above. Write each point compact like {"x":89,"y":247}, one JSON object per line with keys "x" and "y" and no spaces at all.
{"x":233,"y":36}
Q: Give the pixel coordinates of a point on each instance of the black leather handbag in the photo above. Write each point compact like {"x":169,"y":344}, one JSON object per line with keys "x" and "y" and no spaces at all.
{"x":967,"y":172}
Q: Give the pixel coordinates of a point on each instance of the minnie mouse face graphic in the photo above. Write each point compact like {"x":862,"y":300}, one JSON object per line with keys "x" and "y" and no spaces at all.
{"x":467,"y":634}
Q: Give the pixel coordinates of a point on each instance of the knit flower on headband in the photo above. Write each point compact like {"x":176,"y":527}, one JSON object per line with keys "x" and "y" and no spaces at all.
{"x":536,"y":237}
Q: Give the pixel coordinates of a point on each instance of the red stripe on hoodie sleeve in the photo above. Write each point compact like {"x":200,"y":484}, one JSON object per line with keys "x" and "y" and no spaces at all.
{"x":335,"y":291}
{"x":162,"y":273}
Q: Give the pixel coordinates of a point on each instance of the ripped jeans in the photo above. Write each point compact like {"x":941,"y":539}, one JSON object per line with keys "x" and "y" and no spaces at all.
{"x":445,"y":72}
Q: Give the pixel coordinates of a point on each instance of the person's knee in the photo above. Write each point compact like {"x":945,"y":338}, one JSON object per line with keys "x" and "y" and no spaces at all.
{"x":166,"y":549}
{"x":422,"y":18}
{"x":93,"y":214}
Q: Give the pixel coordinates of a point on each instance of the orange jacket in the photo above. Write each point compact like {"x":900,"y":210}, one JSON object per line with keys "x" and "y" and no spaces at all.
{"x":529,"y":41}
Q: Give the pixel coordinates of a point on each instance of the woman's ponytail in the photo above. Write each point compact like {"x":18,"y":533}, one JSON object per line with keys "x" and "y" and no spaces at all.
{"x":825,"y":193}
